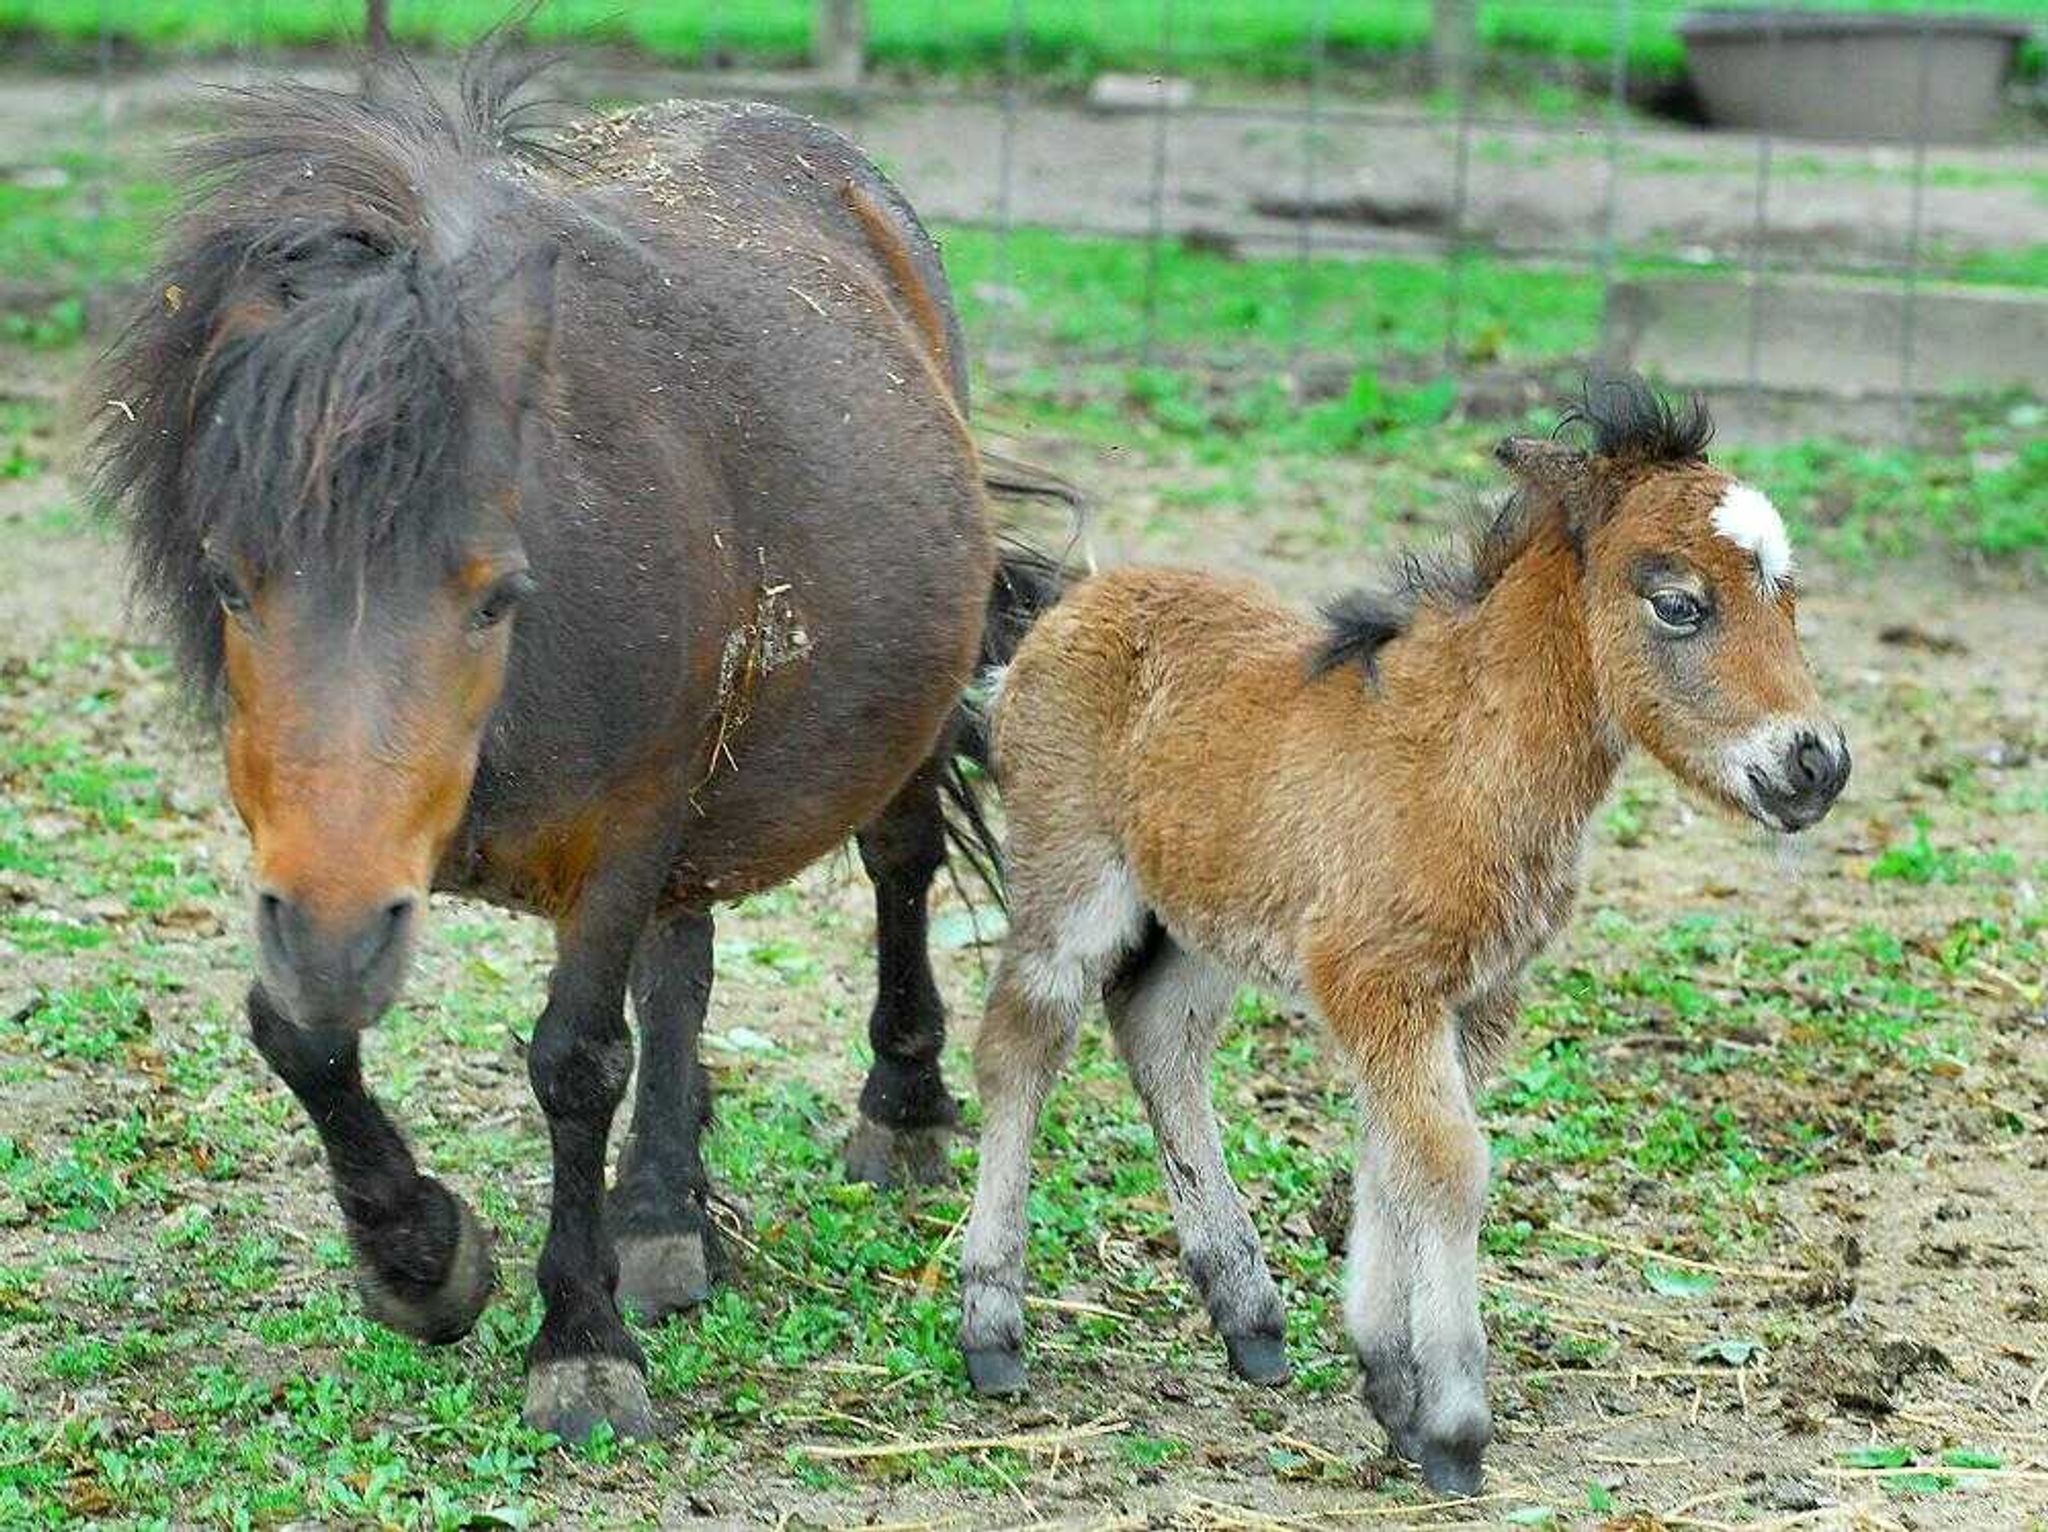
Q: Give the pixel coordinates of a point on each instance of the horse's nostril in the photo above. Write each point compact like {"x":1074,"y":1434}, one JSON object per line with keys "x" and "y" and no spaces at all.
{"x":1811,"y":763}
{"x":273,"y":924}
{"x":382,"y":935}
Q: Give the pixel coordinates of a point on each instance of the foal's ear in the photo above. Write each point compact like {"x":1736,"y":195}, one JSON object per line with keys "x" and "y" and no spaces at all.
{"x":1542,"y":460}
{"x":520,"y":322}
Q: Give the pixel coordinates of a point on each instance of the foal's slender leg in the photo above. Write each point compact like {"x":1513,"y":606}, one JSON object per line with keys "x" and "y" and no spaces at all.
{"x":1412,"y":1302}
{"x":668,"y":1248}
{"x":1027,"y":1036}
{"x":1165,"y":1007}
{"x":423,"y":1260}
{"x":583,"y":1367}
{"x":906,"y":1113}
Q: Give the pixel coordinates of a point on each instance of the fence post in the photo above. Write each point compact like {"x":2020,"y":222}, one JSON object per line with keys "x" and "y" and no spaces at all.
{"x":840,"y":40}
{"x":377,"y":26}
{"x":1453,"y":43}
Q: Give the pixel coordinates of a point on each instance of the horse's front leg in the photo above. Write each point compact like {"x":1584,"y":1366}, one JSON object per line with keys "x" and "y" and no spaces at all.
{"x":669,"y":1255}
{"x":423,"y":1259}
{"x":584,"y":1368}
{"x":1412,"y":1289}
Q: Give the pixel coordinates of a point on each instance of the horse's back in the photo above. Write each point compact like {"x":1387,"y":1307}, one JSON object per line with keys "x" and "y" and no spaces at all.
{"x":1143,"y":677}
{"x":759,"y":177}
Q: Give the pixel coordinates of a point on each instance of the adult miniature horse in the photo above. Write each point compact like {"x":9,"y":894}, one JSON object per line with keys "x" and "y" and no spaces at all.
{"x":593,"y":529}
{"x":1383,"y":814}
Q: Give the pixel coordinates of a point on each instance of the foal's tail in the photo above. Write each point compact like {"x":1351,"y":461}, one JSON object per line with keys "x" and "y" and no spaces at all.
{"x":1027,"y":584}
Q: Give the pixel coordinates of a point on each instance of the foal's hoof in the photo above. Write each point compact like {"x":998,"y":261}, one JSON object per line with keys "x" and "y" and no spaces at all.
{"x":663,"y":1274}
{"x":1450,"y":1465}
{"x":885,"y":1156}
{"x":994,"y":1372}
{"x":444,"y":1315}
{"x":573,"y":1395}
{"x":1260,"y":1359}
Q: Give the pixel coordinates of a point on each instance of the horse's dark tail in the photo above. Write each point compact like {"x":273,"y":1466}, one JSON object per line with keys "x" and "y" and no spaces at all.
{"x":1026,"y":585}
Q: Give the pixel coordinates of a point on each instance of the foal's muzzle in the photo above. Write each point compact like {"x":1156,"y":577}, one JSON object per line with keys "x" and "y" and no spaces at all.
{"x":1798,"y":789}
{"x":329,"y":971}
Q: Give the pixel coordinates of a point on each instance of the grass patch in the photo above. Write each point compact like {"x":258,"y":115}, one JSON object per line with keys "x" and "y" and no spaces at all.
{"x":1069,"y":38}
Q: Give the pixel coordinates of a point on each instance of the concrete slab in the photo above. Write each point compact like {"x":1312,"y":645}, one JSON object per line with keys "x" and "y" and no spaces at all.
{"x":1839,"y":336}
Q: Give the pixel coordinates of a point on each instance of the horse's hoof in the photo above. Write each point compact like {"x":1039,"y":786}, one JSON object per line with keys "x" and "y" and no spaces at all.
{"x":662,"y":1274}
{"x":573,"y":1395}
{"x":1449,"y":1460}
{"x":1450,"y":1468}
{"x":446,"y":1314}
{"x":885,"y":1156}
{"x":1260,"y":1359}
{"x":994,"y":1372}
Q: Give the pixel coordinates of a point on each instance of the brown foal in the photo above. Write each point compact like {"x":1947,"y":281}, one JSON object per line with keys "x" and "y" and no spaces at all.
{"x":1383,"y":814}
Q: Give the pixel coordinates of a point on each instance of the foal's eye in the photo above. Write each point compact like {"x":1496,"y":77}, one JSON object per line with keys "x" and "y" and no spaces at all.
{"x":1678,"y":610}
{"x":499,"y":601}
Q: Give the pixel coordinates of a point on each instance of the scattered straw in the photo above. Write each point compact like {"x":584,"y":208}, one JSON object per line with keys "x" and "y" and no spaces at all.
{"x":1927,"y":1470}
{"x":1028,"y":1441}
{"x":1739,"y":1273}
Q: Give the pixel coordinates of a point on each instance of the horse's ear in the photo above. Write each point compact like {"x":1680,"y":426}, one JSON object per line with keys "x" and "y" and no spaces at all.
{"x":521,"y":324}
{"x":1569,"y":475}
{"x":1541,"y":460}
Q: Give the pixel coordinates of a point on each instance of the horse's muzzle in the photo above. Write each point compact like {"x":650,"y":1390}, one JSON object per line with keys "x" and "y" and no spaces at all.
{"x":1805,"y":784}
{"x":333,"y":972}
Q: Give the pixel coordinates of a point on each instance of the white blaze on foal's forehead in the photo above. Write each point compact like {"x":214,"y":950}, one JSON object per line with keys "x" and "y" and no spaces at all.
{"x":1746,"y":517}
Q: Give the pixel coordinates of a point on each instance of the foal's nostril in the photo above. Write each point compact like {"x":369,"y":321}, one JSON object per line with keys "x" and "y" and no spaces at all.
{"x":336,"y":968}
{"x":1812,"y":764}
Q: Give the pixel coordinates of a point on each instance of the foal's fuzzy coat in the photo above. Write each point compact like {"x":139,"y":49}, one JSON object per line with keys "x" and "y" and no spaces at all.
{"x":1384,"y":815}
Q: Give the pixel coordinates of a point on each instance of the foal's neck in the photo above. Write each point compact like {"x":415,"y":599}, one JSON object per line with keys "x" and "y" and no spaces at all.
{"x":1541,"y":748}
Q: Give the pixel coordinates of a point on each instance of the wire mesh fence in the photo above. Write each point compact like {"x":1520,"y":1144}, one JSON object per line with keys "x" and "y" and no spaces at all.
{"x":1260,"y":187}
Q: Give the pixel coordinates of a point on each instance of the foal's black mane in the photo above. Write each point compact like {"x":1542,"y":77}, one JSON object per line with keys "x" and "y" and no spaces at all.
{"x":297,"y":385}
{"x":1625,"y":418}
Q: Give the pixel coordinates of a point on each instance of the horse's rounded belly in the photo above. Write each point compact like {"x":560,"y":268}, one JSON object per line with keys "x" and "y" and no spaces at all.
{"x":843,"y":707}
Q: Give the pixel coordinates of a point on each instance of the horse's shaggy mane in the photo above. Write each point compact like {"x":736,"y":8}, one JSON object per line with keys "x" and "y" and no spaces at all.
{"x":1360,"y":623}
{"x":294,"y":383}
{"x":1628,"y":421}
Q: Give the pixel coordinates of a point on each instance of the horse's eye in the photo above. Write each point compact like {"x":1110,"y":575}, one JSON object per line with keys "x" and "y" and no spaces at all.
{"x":227,"y":590}
{"x":1678,"y":610}
{"x":500,"y":599}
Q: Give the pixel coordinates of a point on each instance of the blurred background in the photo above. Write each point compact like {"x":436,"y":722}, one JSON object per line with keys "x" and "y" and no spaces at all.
{"x":1277,"y":202}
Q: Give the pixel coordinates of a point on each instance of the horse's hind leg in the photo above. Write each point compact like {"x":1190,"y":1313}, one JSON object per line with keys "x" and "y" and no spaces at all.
{"x":1165,"y":1005}
{"x":906,"y":1113}
{"x":668,"y":1247}
{"x":423,"y":1260}
{"x":1027,"y":1035}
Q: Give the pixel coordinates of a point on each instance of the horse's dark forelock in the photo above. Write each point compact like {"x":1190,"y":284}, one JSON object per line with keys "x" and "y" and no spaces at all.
{"x":297,"y":388}
{"x":1628,"y":418}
